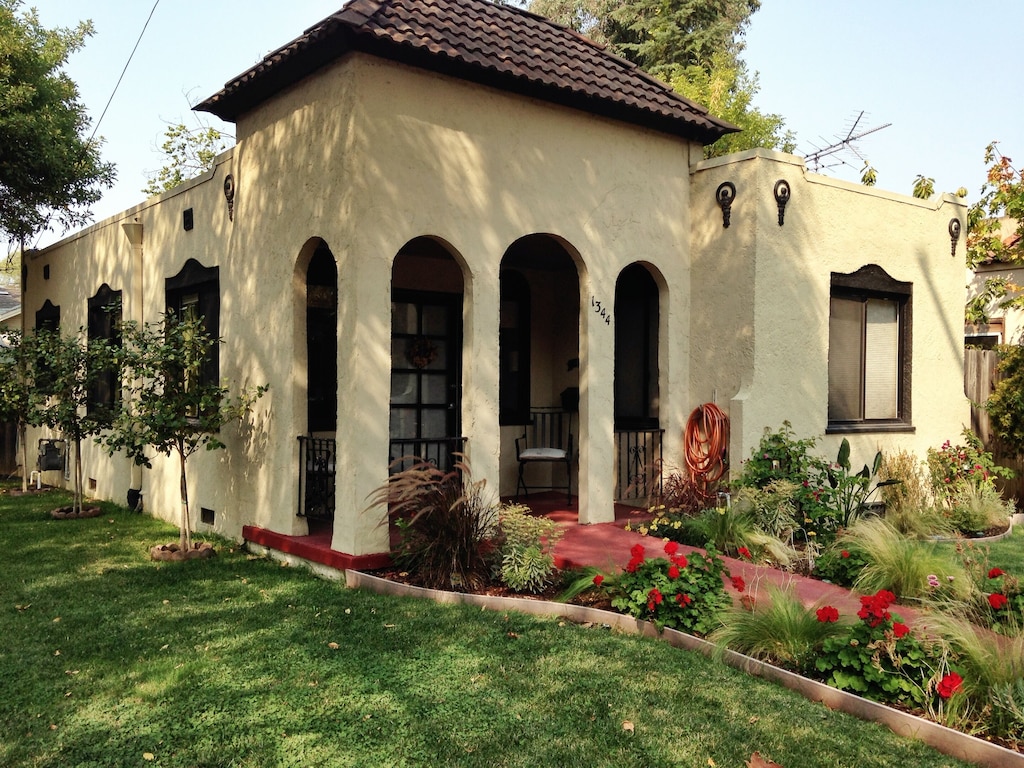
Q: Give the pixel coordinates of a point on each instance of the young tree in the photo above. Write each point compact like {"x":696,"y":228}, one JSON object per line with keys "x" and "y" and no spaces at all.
{"x":67,"y":367}
{"x":166,"y":404}
{"x":20,"y":398}
{"x":47,"y":165}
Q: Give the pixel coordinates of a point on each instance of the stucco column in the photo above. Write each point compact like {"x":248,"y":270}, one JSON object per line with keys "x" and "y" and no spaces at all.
{"x":481,"y":300}
{"x":597,"y":406}
{"x":364,"y":387}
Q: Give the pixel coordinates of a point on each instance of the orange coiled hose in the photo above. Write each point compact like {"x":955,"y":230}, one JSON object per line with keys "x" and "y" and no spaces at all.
{"x":705,"y":442}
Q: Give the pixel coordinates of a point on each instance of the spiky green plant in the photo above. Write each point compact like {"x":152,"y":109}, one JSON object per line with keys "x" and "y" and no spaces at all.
{"x":992,"y":667}
{"x":778,"y":628}
{"x":527,"y":542}
{"x":900,"y":564}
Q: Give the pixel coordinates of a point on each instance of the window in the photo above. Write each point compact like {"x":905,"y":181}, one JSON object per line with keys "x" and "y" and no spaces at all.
{"x":514,"y":349}
{"x":104,"y":322}
{"x":636,"y":350}
{"x":322,"y":342}
{"x":47,"y":321}
{"x":195,"y":292}
{"x":869,"y":352}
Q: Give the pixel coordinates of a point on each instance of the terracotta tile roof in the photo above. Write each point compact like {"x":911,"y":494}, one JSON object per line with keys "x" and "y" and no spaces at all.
{"x":496,"y":45}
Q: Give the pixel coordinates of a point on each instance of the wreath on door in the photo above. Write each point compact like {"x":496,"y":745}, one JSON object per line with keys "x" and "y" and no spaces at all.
{"x":421,"y":352}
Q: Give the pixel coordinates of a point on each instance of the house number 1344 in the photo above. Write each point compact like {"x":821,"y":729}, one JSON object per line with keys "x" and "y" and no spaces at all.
{"x":601,"y":310}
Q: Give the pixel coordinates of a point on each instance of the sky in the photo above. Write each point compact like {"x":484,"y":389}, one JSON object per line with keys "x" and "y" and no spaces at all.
{"x":941,"y":72}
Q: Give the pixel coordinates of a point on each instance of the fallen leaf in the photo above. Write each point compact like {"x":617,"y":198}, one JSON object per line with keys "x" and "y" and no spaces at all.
{"x":57,"y":652}
{"x":56,"y":620}
{"x":712,"y":763}
{"x":24,"y":607}
{"x":513,"y":635}
{"x":753,"y":720}
{"x":148,"y":756}
{"x":627,"y":727}
{"x":756,"y":761}
{"x":333,"y":646}
{"x":389,"y":626}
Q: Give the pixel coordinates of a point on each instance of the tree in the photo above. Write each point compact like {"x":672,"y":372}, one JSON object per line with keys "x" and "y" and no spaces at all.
{"x":67,"y":367}
{"x":189,"y":152}
{"x":20,"y":398}
{"x":166,"y":404}
{"x":693,"y":45}
{"x":48,"y":168}
{"x":1000,"y":207}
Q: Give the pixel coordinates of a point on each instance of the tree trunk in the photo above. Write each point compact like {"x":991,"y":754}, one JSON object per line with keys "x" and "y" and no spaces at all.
{"x":23,"y":437}
{"x":185,"y":535}
{"x":77,"y":504}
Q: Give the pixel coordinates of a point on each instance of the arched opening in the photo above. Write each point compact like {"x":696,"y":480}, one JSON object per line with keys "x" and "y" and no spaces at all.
{"x":322,"y":341}
{"x":637,"y":389}
{"x":426,"y":353}
{"x":539,"y":359}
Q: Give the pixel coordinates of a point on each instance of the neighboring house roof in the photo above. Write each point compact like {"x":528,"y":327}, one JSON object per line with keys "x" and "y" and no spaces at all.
{"x":496,"y":45}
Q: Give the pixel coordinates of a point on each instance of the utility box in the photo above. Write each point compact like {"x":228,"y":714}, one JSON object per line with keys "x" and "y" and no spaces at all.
{"x":51,"y":454}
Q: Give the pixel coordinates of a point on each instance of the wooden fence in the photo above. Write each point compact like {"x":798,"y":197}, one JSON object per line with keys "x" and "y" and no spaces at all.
{"x":980,"y":378}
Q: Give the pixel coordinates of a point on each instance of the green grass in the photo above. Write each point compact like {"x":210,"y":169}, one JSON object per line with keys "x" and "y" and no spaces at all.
{"x":107,"y":658}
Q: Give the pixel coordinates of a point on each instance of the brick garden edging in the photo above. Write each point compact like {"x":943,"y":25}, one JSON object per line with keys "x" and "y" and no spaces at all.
{"x":946,"y":740}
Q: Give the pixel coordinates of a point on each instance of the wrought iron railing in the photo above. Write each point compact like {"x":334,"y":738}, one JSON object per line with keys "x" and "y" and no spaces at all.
{"x":438,"y":451}
{"x":638,"y":463}
{"x":317,"y":472}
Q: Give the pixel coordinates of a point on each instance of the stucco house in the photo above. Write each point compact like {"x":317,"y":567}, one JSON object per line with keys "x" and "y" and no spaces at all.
{"x":440,"y":214}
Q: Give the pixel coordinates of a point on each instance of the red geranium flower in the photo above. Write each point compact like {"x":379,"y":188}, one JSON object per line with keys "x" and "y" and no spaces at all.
{"x":637,"y":551}
{"x":633,"y":564}
{"x":874,"y":608}
{"x":738,"y":584}
{"x":949,"y":685}
{"x":997,"y":601}
{"x":845,"y":554}
{"x":683,"y":599}
{"x":828,"y":614}
{"x":598,"y":580}
{"x":744,"y":552}
{"x":900,"y":630}
{"x":671,"y":547}
{"x":995,"y":573}
{"x":673,"y":571}
{"x":680,"y":560}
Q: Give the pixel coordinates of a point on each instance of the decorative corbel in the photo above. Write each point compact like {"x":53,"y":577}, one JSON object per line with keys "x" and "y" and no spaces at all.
{"x":782,"y":194}
{"x":724,"y":195}
{"x":229,"y":195}
{"x":954,"y":235}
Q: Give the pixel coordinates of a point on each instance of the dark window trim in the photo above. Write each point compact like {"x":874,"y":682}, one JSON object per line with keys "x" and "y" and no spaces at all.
{"x":205,"y":283}
{"x":871,"y":281}
{"x":104,"y":317}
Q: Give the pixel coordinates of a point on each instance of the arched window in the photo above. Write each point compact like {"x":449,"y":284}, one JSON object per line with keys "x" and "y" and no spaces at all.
{"x":322,"y":341}
{"x":104,"y":325}
{"x":514,"y":349}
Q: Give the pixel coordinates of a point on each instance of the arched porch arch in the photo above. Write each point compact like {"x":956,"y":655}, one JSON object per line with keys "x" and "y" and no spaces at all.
{"x":427,"y":292}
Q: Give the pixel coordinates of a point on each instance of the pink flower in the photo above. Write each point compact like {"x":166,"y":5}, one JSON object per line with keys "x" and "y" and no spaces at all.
{"x":671,"y":547}
{"x":900,"y":630}
{"x":738,"y":584}
{"x":598,"y":580}
{"x":997,"y":601}
{"x":995,"y":573}
{"x":949,"y":685}
{"x":827,"y":614}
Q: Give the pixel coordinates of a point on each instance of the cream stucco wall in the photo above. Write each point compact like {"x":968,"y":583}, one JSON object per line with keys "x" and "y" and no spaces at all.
{"x":761,"y":299}
{"x":368,"y":155}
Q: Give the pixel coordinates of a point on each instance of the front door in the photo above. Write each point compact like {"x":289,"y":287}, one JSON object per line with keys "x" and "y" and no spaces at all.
{"x":426,"y":354}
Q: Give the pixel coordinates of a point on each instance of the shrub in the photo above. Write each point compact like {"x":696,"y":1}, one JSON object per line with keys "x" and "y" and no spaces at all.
{"x":879,"y":658}
{"x":684,"y":592}
{"x":524,"y":552}
{"x":842,"y":563}
{"x":444,"y":519}
{"x":975,"y":508}
{"x":779,"y":629}
{"x":954,"y":466}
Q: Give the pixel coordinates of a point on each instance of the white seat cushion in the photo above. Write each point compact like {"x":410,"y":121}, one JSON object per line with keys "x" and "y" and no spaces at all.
{"x":542,"y":454}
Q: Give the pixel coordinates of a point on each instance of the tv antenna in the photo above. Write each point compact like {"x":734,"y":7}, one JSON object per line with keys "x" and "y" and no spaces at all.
{"x":845,"y":144}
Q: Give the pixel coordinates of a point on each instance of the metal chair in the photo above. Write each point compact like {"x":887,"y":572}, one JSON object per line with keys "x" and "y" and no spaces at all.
{"x":547,"y":440}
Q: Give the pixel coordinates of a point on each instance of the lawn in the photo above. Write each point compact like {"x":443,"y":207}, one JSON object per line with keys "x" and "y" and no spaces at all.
{"x":108,"y":658}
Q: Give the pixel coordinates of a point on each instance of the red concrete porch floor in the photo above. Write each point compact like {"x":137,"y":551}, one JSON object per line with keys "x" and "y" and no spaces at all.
{"x":605,"y":546}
